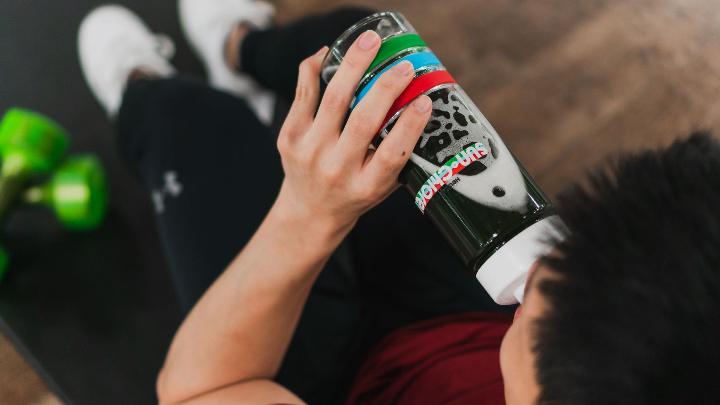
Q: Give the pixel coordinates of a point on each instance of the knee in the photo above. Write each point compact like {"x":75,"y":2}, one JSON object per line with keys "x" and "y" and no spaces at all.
{"x":179,"y":106}
{"x":152,"y":100}
{"x":169,"y":96}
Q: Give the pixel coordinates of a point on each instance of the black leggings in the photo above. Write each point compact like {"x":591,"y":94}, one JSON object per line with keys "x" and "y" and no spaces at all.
{"x":212,"y":171}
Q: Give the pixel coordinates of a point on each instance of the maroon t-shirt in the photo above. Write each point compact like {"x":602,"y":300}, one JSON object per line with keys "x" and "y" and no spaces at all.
{"x":448,"y":360}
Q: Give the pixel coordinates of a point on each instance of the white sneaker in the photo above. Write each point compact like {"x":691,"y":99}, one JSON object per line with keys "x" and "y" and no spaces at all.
{"x":207,"y":24}
{"x":112,"y":42}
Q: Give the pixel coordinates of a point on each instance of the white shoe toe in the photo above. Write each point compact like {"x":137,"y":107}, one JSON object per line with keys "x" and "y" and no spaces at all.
{"x":206,"y":24}
{"x":112,"y":42}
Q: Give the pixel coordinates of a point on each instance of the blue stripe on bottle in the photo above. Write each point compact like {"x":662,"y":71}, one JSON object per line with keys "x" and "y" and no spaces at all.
{"x":419,"y":60}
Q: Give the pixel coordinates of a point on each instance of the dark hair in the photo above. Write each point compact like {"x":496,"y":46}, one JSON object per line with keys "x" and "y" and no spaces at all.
{"x":634,"y":313}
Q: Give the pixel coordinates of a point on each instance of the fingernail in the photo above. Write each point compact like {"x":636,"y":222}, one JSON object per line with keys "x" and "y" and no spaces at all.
{"x":322,"y":50}
{"x":403,"y":68}
{"x":422,"y":104}
{"x":368,"y":40}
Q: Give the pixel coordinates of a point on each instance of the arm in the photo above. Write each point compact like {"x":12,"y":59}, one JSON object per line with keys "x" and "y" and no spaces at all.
{"x":232,"y":343}
{"x":241,"y":327}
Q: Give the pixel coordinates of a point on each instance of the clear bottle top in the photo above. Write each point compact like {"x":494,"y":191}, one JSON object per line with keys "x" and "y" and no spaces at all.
{"x":386,"y":23}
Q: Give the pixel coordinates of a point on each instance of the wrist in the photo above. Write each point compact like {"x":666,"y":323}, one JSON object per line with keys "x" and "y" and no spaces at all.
{"x":321,"y":231}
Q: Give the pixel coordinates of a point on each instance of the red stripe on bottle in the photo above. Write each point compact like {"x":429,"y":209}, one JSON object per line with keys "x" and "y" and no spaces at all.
{"x":418,"y":86}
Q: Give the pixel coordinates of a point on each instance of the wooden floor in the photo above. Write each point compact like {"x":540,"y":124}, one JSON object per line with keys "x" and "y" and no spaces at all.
{"x":569,"y":83}
{"x":19,"y":384}
{"x":566,"y":84}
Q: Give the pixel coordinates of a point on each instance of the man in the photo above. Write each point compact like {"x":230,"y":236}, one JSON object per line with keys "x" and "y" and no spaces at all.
{"x":624,"y":311}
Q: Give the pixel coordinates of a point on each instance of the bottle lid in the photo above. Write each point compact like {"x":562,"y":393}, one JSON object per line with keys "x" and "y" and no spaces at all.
{"x":503,"y":275}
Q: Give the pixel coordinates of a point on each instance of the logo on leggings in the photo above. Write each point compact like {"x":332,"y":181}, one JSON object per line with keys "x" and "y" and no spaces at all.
{"x":443,"y":176}
{"x":170,"y":188}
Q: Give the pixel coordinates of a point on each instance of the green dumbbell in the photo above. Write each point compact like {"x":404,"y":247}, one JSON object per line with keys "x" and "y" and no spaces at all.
{"x":30,"y":145}
{"x":76,"y":192}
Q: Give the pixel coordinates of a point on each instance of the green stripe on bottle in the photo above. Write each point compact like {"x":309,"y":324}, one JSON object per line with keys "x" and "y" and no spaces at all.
{"x":393,"y":45}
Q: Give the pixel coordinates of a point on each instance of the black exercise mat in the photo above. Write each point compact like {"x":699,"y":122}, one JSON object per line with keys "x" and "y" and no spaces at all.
{"x":92,"y":312}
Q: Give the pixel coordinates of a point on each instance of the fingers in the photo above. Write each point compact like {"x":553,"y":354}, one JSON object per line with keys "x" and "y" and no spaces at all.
{"x":396,"y":148}
{"x":307,"y":94}
{"x":339,"y":92}
{"x":368,"y":116}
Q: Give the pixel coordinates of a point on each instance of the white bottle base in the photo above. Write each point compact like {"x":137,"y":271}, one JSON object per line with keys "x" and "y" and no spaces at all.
{"x":503,"y":274}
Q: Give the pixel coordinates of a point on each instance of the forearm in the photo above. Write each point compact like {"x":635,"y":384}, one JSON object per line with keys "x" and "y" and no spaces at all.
{"x":241,"y":327}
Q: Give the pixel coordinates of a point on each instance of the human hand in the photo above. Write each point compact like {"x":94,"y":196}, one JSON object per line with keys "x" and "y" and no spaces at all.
{"x":331,"y":175}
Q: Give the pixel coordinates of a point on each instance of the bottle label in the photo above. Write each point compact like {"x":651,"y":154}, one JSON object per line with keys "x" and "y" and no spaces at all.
{"x":492,"y":178}
{"x":446,"y":173}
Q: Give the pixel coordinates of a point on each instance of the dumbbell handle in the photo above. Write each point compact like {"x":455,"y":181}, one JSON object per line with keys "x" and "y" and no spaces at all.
{"x":10,"y":188}
{"x":35,"y":195}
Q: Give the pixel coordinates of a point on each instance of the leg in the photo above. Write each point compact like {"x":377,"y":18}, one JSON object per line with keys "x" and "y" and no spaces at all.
{"x":210,"y":166}
{"x":271,"y":56}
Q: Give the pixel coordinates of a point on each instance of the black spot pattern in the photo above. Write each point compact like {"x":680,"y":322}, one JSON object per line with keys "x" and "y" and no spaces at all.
{"x":493,"y":149}
{"x":440,"y":113}
{"x":458,"y":134}
{"x":474,"y":168}
{"x":460,"y":119}
{"x":452,"y":128}
{"x":432,"y":126}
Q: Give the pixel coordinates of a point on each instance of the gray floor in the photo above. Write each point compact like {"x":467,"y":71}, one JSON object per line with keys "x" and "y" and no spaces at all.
{"x":92,"y":312}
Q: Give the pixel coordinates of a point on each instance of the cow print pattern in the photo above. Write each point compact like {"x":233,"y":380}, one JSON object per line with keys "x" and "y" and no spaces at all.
{"x":452,"y":128}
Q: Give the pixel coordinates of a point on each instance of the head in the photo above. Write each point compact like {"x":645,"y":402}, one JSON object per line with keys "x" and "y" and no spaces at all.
{"x":626,"y":310}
